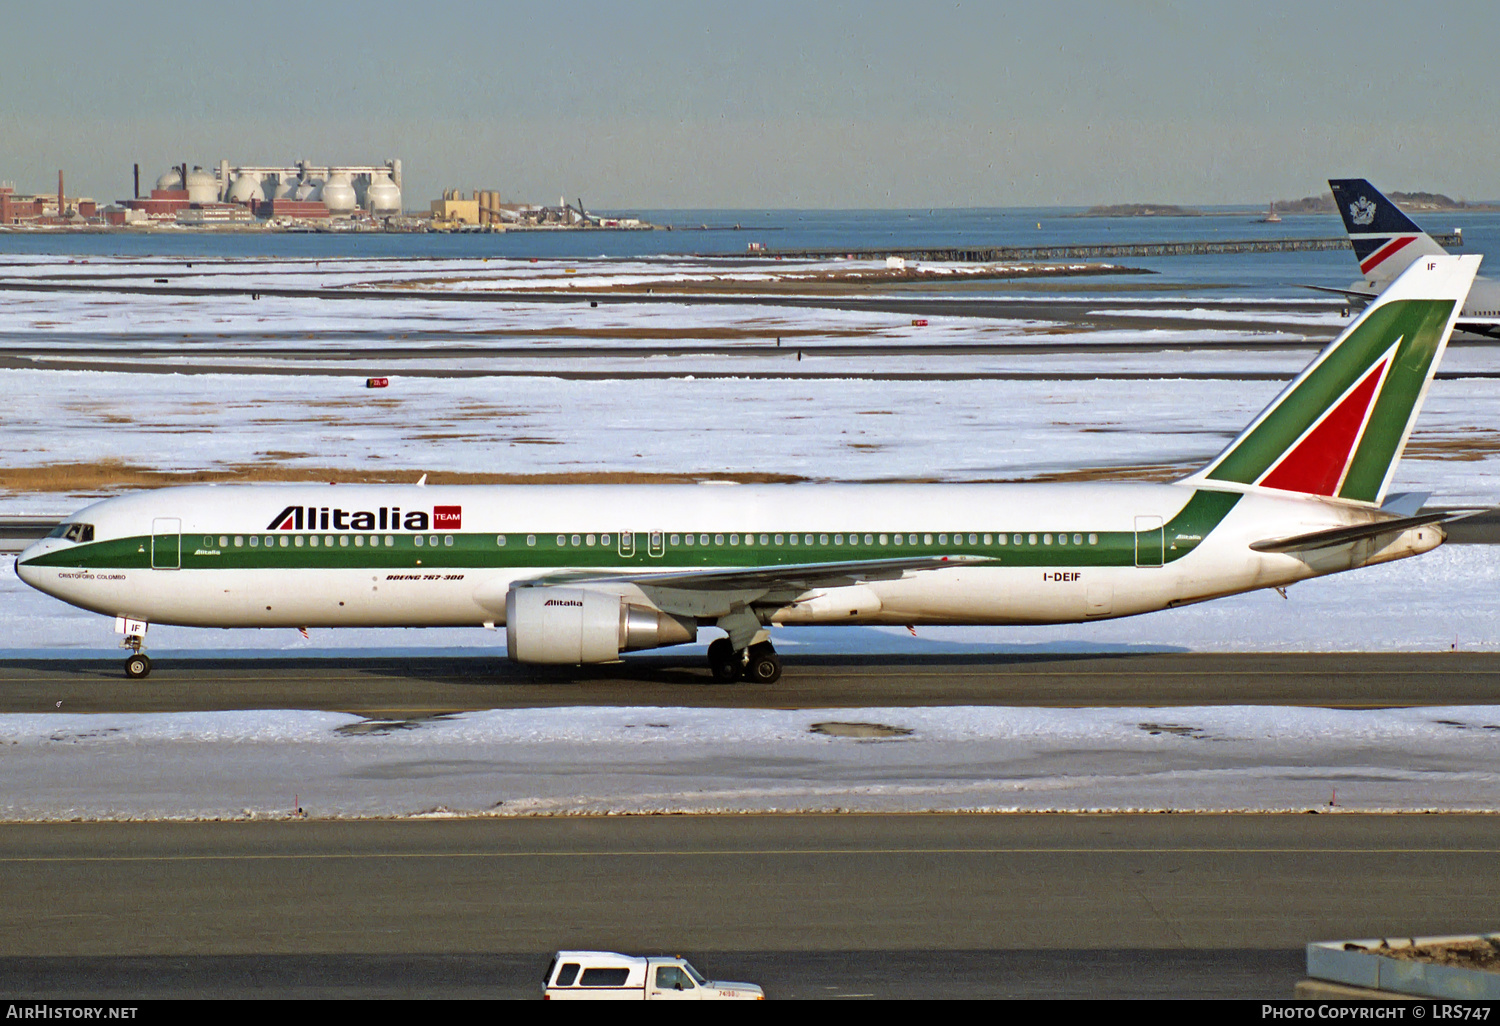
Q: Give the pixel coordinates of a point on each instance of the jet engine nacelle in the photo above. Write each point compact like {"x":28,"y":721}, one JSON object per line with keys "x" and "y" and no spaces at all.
{"x":575,"y":625}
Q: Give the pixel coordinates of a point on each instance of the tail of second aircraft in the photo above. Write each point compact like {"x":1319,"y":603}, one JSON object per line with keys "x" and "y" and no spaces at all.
{"x":1386,"y":241}
{"x":1338,"y":430}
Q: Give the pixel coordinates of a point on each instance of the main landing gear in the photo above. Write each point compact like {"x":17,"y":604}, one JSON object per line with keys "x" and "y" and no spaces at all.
{"x":758,"y":663}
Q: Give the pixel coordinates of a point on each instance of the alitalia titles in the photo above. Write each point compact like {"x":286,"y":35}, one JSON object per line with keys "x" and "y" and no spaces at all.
{"x":386,"y":518}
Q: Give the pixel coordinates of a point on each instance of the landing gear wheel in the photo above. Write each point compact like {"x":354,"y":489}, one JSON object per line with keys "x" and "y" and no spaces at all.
{"x":763,"y":667}
{"x":137,"y":666}
{"x":723,"y":660}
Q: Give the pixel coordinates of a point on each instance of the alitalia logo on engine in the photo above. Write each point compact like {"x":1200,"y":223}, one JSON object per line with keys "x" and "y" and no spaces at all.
{"x":386,"y":518}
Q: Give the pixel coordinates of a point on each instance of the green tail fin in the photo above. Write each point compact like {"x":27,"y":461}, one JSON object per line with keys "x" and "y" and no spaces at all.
{"x":1339,"y":428}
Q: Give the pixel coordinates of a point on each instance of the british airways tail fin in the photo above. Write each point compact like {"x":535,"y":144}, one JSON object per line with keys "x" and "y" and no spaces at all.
{"x":1386,"y":241}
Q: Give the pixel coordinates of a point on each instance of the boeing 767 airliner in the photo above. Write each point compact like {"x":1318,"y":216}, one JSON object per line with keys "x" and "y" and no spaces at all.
{"x":580,"y":573}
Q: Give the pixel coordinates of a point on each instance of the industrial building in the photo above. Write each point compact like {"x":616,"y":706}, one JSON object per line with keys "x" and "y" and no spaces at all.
{"x":44,"y":210}
{"x":485,"y":210}
{"x":248,"y":193}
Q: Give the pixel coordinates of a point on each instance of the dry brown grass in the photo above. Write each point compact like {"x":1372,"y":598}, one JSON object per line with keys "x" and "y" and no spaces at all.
{"x":1154,"y":472}
{"x":1468,"y":448}
{"x":113,"y":475}
{"x":794,"y":282}
{"x":683,"y":334}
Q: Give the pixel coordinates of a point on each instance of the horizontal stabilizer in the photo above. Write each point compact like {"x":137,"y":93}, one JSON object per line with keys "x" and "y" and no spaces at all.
{"x":1345,"y":535}
{"x":1405,"y":504}
{"x":1349,"y":293}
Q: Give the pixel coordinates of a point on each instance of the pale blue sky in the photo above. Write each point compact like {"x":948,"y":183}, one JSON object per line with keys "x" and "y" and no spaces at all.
{"x":772,"y":104}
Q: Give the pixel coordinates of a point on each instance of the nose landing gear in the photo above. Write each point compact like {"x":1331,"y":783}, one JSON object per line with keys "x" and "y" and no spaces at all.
{"x":138,"y":664}
{"x":758,"y":663}
{"x":134,"y":632}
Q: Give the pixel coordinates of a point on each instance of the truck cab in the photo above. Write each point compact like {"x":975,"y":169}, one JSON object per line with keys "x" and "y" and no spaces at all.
{"x":611,"y":976}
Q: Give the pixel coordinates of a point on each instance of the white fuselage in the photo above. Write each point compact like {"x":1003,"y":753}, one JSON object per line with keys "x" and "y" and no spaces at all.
{"x":446,"y":556}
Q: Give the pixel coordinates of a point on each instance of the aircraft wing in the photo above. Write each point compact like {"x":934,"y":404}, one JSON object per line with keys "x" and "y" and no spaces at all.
{"x":793,"y":577}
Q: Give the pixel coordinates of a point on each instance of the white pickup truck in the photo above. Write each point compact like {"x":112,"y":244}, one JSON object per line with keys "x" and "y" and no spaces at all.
{"x":609,"y":976}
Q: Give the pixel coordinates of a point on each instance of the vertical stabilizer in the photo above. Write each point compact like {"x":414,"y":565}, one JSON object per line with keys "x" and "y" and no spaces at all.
{"x":1386,"y":241}
{"x":1339,"y":428}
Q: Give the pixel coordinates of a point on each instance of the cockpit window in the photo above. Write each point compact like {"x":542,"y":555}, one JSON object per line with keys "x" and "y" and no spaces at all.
{"x":73,"y":532}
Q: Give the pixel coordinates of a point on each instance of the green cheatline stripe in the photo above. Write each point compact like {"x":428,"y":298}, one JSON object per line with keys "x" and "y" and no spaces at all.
{"x":1180,"y":536}
{"x":1419,"y":324}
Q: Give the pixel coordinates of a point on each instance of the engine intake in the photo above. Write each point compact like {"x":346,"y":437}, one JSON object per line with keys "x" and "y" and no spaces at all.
{"x":574,"y":626}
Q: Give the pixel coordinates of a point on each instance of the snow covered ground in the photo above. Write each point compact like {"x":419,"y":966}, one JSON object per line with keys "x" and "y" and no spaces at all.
{"x":830,"y":429}
{"x":238,"y":321}
{"x":62,"y":765}
{"x":654,"y":760}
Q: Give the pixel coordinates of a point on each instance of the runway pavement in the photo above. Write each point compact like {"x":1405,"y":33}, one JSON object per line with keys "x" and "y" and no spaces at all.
{"x":809,"y":906}
{"x":418,"y":686}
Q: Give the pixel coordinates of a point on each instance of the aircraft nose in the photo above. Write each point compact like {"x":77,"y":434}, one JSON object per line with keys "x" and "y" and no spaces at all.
{"x":30,"y":574}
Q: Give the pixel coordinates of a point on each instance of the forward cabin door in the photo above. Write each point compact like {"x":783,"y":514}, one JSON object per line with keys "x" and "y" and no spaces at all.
{"x":166,"y":543}
{"x":627,"y":544}
{"x":1148,"y":541}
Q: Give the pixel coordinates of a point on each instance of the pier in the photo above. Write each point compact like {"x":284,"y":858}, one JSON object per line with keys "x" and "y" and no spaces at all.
{"x":1091,"y":251}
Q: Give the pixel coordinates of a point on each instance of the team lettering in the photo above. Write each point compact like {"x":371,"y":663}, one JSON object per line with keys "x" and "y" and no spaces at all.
{"x":386,"y":518}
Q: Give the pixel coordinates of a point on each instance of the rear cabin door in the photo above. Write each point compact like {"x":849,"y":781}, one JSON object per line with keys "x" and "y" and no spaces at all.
{"x":166,"y":543}
{"x":1148,"y":541}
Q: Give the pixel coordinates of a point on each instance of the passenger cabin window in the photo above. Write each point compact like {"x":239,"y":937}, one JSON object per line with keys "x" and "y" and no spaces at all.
{"x":567,"y":974}
{"x":670,"y":977}
{"x":610,"y":977}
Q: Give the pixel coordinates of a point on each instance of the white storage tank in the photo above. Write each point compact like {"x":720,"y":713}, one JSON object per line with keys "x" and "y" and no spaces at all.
{"x":338,"y":193}
{"x":246,"y":189}
{"x":171,"y":181}
{"x":309,"y":190}
{"x":282,"y":186}
{"x":381,"y":196}
{"x":202,"y":186}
